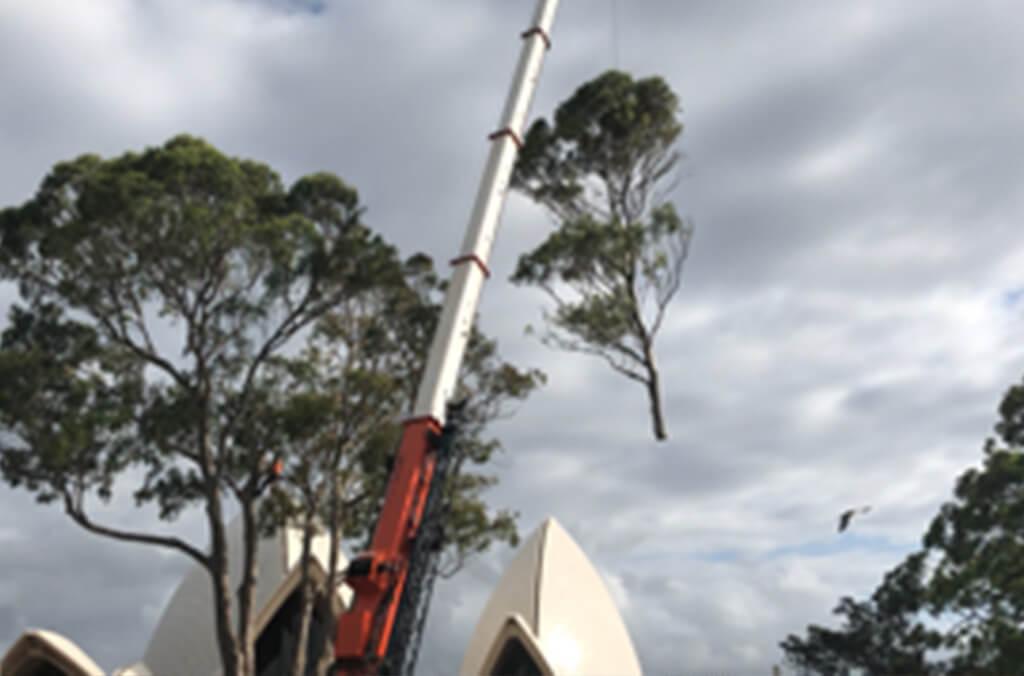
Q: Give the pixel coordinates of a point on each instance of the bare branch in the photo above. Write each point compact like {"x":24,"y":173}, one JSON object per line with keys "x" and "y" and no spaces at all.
{"x":675,"y":278}
{"x":584,"y":348}
{"x":285,"y":330}
{"x":77,"y":513}
{"x":143,"y":353}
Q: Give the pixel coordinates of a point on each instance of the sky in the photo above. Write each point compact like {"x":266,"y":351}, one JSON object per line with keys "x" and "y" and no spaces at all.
{"x":849,"y":318}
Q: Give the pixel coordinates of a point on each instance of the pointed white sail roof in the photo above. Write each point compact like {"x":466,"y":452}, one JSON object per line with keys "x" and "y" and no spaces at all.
{"x":39,"y":649}
{"x":555,"y":606}
{"x":184,"y":641}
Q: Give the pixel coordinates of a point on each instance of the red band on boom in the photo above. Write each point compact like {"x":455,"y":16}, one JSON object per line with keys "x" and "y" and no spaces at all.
{"x":507,"y":132}
{"x":537,"y":30}
{"x":421,"y":419}
{"x":474,"y":258}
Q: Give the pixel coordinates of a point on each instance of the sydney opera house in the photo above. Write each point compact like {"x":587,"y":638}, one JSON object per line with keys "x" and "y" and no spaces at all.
{"x":550,"y":615}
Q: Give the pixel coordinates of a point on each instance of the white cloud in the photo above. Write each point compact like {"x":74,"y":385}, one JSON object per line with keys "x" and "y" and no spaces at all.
{"x":838,"y":160}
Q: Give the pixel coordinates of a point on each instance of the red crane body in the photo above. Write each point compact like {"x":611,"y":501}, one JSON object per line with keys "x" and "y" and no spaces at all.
{"x":378,"y":577}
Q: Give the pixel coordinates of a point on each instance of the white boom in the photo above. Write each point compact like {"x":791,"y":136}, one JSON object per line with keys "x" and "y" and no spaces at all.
{"x":470,"y":267}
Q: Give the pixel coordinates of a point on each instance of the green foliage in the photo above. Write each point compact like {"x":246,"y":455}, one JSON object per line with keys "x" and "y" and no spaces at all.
{"x":972,"y":589}
{"x":980,"y":577}
{"x":81,"y":420}
{"x":611,"y":142}
{"x":879,"y":636}
{"x":181,"y":237}
{"x":348,"y":391}
{"x":615,"y":260}
{"x":184,"y":314}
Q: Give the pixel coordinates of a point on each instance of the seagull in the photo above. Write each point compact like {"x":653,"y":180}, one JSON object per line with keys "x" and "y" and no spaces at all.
{"x":844,"y":518}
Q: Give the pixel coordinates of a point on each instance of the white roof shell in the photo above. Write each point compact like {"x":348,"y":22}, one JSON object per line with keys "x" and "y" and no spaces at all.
{"x":553,"y":600}
{"x":184,"y":641}
{"x":50,"y":647}
{"x":550,"y":598}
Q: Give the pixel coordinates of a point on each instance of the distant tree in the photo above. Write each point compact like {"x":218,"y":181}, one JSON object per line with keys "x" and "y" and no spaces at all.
{"x":162,"y":296}
{"x":615,"y":260}
{"x":968,"y":578}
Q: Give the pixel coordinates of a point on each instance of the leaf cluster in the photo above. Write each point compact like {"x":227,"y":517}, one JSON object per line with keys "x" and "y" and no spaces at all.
{"x":156,"y":290}
{"x":614,"y":261}
{"x":609,"y":146}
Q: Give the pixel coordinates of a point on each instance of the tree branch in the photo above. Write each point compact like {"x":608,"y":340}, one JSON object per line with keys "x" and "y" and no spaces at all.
{"x":287,"y":328}
{"x":78,"y":515}
{"x":143,"y":353}
{"x":583,"y":348}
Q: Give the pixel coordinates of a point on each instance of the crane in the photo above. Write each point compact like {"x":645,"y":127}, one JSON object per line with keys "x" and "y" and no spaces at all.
{"x":392,"y":580}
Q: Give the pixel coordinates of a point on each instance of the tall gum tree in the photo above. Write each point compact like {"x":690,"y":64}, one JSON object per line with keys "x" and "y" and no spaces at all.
{"x":115,"y":260}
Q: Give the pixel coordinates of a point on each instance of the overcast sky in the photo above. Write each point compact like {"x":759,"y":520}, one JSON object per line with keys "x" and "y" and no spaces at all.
{"x":850,"y":315}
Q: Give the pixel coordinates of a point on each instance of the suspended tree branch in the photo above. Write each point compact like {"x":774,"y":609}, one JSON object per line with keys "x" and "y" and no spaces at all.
{"x":616,"y":250}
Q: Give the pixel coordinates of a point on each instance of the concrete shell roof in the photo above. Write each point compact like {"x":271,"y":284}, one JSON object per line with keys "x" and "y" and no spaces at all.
{"x":553,"y":600}
{"x":53,"y":647}
{"x":184,"y":641}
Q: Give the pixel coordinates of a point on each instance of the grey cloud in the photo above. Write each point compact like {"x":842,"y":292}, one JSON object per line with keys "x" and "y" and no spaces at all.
{"x":98,"y":593}
{"x":9,"y":622}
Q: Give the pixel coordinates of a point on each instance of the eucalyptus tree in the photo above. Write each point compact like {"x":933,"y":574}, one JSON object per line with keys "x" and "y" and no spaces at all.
{"x":162,"y":298}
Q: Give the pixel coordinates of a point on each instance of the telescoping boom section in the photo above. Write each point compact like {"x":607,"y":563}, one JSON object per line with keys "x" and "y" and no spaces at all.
{"x":378,"y":577}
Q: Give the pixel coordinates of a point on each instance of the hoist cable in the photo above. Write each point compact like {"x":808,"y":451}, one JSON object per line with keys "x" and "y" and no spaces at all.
{"x":616,"y":53}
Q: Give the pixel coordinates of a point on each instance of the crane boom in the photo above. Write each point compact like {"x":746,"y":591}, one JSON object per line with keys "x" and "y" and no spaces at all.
{"x":378,"y":577}
{"x":471,"y":270}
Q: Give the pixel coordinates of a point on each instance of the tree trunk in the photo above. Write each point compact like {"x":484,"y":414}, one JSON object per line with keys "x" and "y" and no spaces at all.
{"x":654,"y":394}
{"x":331,"y":586}
{"x":246,"y":641}
{"x":226,"y":639}
{"x":306,"y":599}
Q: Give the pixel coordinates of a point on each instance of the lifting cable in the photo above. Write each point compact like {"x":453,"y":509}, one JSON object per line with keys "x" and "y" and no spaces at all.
{"x":614,"y":34}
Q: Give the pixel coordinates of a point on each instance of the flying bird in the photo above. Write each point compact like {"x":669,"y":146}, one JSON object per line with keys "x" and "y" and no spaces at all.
{"x":845,"y":517}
